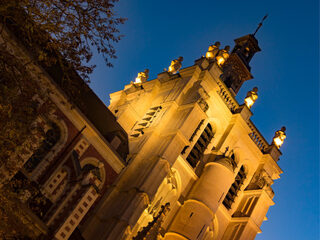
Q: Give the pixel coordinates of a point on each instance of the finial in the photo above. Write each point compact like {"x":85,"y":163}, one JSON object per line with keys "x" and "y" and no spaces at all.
{"x":251,"y":97}
{"x":279,"y":137}
{"x":260,"y":24}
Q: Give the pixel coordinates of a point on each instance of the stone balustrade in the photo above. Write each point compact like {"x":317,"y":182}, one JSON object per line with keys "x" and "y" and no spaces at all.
{"x":257,"y":138}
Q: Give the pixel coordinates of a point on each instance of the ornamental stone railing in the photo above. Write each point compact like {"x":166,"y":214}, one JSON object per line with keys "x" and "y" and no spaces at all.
{"x":232,"y":104}
{"x":257,"y":138}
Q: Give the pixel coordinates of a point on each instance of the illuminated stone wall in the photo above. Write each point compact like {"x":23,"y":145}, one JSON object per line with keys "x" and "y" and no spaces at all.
{"x":192,"y":145}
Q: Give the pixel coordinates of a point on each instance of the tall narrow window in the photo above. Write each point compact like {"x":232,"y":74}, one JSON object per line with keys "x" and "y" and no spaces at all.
{"x":51,"y":138}
{"x":146,"y":121}
{"x":200,"y":146}
{"x":235,"y":187}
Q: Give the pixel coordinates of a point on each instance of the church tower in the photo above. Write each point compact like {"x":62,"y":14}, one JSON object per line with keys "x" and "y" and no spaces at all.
{"x":236,"y":70}
{"x":198,"y":167}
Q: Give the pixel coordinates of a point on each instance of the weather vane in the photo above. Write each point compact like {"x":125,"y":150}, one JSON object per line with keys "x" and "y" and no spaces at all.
{"x":260,"y":24}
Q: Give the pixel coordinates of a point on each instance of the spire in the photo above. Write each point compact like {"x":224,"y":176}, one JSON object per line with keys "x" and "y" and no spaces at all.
{"x":236,"y":70}
{"x":260,"y":24}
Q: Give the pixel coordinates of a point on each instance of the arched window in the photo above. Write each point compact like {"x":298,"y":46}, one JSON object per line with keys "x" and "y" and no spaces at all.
{"x":90,"y":168}
{"x":235,"y":187}
{"x":200,"y":146}
{"x":96,"y":168}
{"x":52,"y":136}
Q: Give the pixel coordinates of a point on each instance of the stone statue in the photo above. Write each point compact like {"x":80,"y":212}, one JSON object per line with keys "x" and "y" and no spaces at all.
{"x":213,"y":50}
{"x":279,"y":137}
{"x":223,"y":55}
{"x":142,"y":76}
{"x":251,"y":97}
{"x":175,"y":65}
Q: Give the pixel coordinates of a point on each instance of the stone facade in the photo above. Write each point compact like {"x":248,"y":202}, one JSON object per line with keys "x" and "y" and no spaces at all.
{"x":193,"y":150}
{"x":197,"y":167}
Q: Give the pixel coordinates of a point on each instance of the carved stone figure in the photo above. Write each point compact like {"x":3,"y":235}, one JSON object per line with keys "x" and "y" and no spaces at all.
{"x":175,"y":65}
{"x":223,"y":55}
{"x":253,"y":93}
{"x":279,"y":137}
{"x":142,"y":76}
{"x":251,"y":97}
{"x":213,"y":50}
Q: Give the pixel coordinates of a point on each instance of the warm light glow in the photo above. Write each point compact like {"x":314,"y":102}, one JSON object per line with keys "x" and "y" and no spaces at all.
{"x":213,"y":50}
{"x":209,"y":55}
{"x":142,"y":76}
{"x":278,"y":142}
{"x":279,"y":137}
{"x":220,"y":60}
{"x":138,"y":80}
{"x":175,"y":65}
{"x":171,"y":69}
{"x":251,"y":97}
{"x":249,"y":102}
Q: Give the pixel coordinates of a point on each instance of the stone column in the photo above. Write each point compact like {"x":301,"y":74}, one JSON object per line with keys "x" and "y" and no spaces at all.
{"x":197,"y":212}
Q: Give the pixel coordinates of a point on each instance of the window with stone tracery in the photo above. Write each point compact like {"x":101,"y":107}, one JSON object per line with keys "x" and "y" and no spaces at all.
{"x":235,"y":187}
{"x":200,"y":146}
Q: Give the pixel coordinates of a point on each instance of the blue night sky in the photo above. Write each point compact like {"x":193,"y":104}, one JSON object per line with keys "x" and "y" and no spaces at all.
{"x":286,"y":72}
